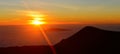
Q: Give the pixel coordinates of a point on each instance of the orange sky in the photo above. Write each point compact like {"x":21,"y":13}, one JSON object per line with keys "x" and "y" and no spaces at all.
{"x":61,"y":11}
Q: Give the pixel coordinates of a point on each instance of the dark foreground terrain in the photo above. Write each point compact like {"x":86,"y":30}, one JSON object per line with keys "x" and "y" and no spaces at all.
{"x":89,"y":40}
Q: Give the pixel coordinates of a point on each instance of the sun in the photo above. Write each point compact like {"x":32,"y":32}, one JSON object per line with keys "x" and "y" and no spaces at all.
{"x":37,"y":18}
{"x":37,"y":22}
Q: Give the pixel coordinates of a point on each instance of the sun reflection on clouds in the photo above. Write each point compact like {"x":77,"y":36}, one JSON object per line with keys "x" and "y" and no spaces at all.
{"x":37,"y":18}
{"x":35,"y":14}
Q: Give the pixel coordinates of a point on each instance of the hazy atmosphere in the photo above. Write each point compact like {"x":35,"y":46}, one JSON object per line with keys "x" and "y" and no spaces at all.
{"x":72,"y":11}
{"x":59,"y":26}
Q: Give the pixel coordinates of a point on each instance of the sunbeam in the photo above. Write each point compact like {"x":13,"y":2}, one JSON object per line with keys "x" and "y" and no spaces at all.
{"x":37,"y":21}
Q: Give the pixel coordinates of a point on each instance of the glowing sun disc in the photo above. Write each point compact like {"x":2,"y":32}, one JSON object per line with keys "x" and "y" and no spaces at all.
{"x":37,"y":18}
{"x":37,"y":22}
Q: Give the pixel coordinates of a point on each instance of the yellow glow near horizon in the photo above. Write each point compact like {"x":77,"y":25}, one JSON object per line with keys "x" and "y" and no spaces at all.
{"x":35,"y":14}
{"x":37,"y":18}
{"x":37,"y":22}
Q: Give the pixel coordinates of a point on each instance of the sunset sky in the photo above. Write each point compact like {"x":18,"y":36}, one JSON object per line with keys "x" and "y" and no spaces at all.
{"x":81,"y":11}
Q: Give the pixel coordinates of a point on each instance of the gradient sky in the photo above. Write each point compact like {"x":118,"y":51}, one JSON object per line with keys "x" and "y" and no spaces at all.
{"x":82,"y":11}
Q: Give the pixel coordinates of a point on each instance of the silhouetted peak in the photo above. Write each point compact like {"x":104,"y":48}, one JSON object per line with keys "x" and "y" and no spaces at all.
{"x":89,"y":40}
{"x":90,"y":28}
{"x":86,"y":33}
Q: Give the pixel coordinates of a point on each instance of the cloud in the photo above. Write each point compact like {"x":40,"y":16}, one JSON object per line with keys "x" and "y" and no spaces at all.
{"x":50,"y":4}
{"x":57,"y":29}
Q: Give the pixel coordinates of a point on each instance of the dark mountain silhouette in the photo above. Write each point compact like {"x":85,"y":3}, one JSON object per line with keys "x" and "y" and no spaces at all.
{"x":89,"y":40}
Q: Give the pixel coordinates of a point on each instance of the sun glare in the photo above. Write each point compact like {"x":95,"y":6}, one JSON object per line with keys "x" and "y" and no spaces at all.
{"x":37,"y":18}
{"x":37,"y":22}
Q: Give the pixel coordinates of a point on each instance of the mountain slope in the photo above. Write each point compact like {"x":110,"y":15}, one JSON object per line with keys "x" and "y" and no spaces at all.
{"x":89,"y":40}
